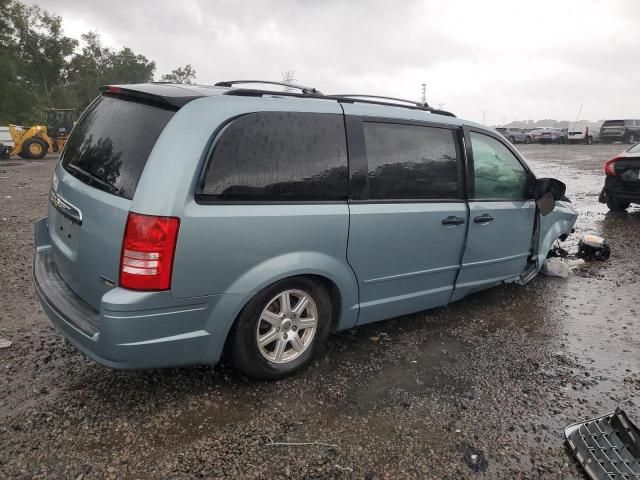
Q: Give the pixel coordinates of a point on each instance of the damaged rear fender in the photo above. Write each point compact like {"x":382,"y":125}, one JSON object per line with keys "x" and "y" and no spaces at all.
{"x":556,"y":224}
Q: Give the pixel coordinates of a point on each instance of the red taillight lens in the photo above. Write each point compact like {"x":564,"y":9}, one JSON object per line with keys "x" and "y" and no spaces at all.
{"x":147,"y":252}
{"x":609,"y":167}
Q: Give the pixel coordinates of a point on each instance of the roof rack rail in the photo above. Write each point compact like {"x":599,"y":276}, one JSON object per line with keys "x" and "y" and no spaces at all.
{"x":378,"y":97}
{"x":303,"y":89}
{"x":394,"y":102}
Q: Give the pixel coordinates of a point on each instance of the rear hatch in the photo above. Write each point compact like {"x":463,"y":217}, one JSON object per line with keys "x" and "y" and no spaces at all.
{"x":92,"y":193}
{"x":612,"y":127}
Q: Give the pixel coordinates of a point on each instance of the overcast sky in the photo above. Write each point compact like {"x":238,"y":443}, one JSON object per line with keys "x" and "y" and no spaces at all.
{"x":514,"y":60}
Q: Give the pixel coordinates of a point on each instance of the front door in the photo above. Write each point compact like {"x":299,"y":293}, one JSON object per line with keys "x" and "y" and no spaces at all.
{"x":408,"y":224}
{"x":501,"y":217}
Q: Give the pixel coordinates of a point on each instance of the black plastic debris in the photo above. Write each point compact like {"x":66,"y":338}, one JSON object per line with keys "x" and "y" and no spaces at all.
{"x":607,"y":447}
{"x":593,"y":247}
{"x":473,"y":457}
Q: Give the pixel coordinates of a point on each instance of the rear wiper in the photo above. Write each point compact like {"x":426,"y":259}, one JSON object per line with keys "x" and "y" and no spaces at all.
{"x":92,"y":177}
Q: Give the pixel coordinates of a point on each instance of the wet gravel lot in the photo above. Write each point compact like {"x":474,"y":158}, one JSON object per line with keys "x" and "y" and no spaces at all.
{"x":481,"y":389}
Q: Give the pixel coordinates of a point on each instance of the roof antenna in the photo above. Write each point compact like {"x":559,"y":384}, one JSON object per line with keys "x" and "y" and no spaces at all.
{"x":566,"y":148}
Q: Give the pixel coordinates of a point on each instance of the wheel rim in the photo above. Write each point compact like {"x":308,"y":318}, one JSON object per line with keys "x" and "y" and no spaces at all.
{"x":287,"y":326}
{"x":35,"y":149}
{"x":632,"y":138}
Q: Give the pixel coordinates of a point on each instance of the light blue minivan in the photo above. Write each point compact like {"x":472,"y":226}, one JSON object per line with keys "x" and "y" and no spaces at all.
{"x":185,"y":221}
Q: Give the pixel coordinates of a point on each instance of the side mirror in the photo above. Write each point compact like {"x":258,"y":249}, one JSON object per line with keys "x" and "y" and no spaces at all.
{"x":546,"y":191}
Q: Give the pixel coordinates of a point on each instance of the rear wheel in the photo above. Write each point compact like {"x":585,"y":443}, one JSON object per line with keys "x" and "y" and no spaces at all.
{"x":281,"y":329}
{"x":617,"y":205}
{"x":34,"y":148}
{"x":512,"y":140}
{"x":527,"y":140}
{"x":632,"y":138}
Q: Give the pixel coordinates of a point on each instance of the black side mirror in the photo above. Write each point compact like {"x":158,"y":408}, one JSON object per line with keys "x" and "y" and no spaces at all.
{"x":546,"y":191}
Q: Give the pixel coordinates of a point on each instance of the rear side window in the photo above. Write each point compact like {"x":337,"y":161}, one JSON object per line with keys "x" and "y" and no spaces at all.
{"x":280,"y":156}
{"x":613,"y":123}
{"x":411,"y":162}
{"x":109,"y":147}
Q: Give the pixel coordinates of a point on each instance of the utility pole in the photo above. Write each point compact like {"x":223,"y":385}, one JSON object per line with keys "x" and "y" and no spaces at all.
{"x":424,"y":93}
{"x":288,"y":77}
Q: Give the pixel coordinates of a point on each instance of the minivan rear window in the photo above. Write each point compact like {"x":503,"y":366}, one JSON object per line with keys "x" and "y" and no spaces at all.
{"x":111,"y":143}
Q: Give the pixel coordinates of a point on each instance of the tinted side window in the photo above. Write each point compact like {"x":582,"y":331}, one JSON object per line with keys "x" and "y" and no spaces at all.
{"x":411,"y":162}
{"x":498,"y":173}
{"x":109,"y":147}
{"x":280,"y":156}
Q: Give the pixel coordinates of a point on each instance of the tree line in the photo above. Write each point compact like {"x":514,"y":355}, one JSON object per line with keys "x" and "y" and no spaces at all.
{"x":41,"y":68}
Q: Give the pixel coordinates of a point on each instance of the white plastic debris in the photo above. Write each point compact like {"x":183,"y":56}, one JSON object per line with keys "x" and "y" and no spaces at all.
{"x":4,"y":343}
{"x":559,"y":267}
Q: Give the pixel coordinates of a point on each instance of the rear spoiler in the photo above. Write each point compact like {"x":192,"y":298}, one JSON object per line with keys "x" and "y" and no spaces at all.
{"x":162,"y":96}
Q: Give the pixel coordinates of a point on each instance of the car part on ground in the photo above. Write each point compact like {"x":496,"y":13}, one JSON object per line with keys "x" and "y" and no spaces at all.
{"x":607,"y":447}
{"x":593,"y":247}
{"x":622,"y":181}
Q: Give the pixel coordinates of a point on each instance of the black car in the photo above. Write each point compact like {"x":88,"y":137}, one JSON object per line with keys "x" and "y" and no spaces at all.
{"x":627,"y":131}
{"x":622,"y":185}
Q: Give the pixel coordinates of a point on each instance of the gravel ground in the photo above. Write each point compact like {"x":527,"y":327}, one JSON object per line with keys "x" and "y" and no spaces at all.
{"x":481,"y":389}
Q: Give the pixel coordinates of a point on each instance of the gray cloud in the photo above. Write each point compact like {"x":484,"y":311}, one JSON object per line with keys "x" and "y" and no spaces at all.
{"x":514,"y":60}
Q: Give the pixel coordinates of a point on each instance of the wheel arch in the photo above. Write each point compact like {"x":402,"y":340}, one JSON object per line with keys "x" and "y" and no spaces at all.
{"x":337,"y":277}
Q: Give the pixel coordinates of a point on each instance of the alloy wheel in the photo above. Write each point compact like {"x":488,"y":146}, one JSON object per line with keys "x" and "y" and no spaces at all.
{"x":287,"y":326}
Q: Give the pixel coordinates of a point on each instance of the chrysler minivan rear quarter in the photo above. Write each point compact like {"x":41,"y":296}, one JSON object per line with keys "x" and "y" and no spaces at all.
{"x":184,"y":221}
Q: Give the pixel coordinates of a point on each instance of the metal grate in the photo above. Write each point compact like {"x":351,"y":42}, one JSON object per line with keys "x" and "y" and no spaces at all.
{"x":608,"y":447}
{"x":60,"y":297}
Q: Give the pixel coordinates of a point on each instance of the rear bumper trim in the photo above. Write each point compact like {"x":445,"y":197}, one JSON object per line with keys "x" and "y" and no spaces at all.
{"x":61,"y":298}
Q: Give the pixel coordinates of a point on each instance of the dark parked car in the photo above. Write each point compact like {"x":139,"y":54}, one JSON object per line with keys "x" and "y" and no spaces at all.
{"x":627,"y":131}
{"x":622,"y":185}
{"x":515,"y":135}
{"x":557,"y":135}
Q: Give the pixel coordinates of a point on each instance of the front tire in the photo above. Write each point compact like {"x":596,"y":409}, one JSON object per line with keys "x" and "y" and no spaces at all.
{"x":281,"y":329}
{"x":34,"y":148}
{"x":617,"y":205}
{"x":632,"y":139}
{"x":527,"y":140}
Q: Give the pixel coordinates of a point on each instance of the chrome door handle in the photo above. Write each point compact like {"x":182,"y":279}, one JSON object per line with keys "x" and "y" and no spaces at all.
{"x":451,"y":220}
{"x":484,"y":218}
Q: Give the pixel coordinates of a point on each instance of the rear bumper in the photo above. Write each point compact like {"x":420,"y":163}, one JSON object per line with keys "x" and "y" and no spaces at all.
{"x":614,"y":187}
{"x":132,"y":330}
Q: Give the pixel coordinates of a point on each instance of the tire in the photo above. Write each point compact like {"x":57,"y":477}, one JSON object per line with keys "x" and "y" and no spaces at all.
{"x":617,"y":205}
{"x":589,"y":140}
{"x":632,"y":138}
{"x":562,"y":140}
{"x":34,"y":148}
{"x":263,"y":317}
{"x":512,"y":140}
{"x":527,"y":140}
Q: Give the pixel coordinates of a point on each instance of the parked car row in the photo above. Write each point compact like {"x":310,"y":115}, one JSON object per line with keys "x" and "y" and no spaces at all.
{"x":625,"y":131}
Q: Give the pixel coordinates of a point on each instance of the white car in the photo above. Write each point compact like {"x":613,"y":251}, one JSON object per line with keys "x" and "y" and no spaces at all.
{"x":583,"y":132}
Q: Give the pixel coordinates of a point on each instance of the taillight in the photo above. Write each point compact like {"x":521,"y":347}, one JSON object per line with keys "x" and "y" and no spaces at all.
{"x":147,"y":252}
{"x":609,"y":167}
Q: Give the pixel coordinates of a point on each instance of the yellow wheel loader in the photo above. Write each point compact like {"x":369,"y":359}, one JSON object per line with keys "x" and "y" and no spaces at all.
{"x":35,"y":142}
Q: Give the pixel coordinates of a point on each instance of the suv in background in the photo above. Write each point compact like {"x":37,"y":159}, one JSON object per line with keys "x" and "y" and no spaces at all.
{"x":515,"y":135}
{"x":243,"y":219}
{"x":626,"y":131}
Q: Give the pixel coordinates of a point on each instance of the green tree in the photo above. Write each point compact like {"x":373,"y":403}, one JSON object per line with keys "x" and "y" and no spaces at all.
{"x":96,"y":65}
{"x":180,"y":75}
